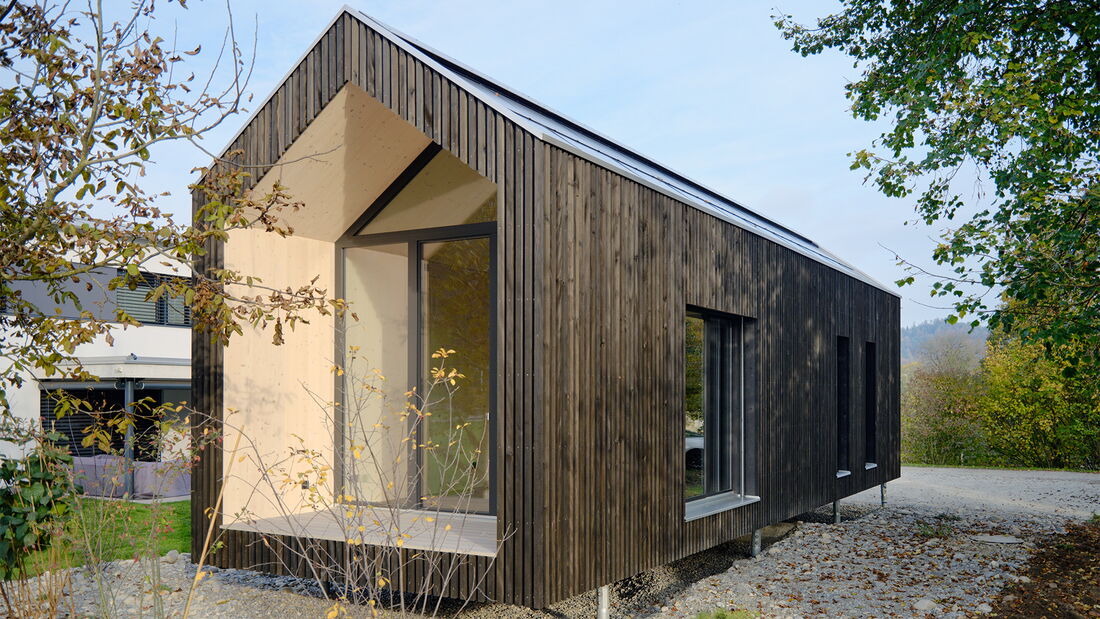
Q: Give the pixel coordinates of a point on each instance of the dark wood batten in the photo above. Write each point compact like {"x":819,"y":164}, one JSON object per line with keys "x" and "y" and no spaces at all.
{"x":623,"y":265}
{"x":351,"y":52}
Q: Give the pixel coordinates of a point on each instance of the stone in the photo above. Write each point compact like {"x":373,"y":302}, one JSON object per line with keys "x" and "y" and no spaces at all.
{"x":925,"y":605}
{"x":172,"y":556}
{"x":1024,"y":579}
{"x":743,"y":588}
{"x":997,"y":539}
{"x":984,"y":609}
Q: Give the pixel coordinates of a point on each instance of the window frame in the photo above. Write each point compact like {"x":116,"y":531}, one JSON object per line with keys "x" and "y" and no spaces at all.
{"x":415,"y":240}
{"x":161,"y":309}
{"x":728,"y":406}
{"x":843,"y":406}
{"x":870,"y":405}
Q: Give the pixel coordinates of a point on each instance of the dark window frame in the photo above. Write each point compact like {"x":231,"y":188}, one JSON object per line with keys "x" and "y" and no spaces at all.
{"x":870,"y":405}
{"x":729,"y":452}
{"x":843,"y":404}
{"x":415,"y":240}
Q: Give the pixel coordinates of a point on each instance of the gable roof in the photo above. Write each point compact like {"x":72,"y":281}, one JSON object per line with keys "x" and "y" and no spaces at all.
{"x":554,"y":128}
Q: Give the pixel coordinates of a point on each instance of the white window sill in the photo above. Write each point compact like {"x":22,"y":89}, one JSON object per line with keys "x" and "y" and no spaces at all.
{"x":867,"y":466}
{"x":701,"y":508}
{"x":842,"y":473}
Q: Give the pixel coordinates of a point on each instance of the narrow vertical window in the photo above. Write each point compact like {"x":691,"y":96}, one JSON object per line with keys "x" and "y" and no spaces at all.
{"x":718,"y":469}
{"x":870,"y":407}
{"x":843,"y":405}
{"x":695,"y":443}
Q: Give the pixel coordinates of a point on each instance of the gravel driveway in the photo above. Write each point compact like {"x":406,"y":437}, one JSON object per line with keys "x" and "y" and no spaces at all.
{"x":921,"y":556}
{"x":1055,"y":493}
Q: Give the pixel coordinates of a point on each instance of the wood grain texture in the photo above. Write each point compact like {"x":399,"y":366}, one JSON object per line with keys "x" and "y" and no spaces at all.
{"x":623,"y":263}
{"x":595,"y":274}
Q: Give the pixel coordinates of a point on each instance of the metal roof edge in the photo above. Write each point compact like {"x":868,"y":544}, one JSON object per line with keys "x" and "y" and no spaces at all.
{"x":454,"y":70}
{"x":728,"y":218}
{"x":435,"y":59}
{"x":606,"y":140}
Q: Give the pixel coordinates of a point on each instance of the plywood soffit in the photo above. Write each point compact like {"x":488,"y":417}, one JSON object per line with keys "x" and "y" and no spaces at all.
{"x":341,"y":162}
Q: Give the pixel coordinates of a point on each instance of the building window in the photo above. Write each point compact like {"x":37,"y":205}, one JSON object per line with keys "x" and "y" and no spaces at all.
{"x":167,"y":310}
{"x":870,"y":407}
{"x":718,"y":424}
{"x":843,"y":405}
{"x":420,"y":277}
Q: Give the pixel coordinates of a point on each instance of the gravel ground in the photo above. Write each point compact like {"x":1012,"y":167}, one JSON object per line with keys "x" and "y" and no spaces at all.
{"x":915,"y":557}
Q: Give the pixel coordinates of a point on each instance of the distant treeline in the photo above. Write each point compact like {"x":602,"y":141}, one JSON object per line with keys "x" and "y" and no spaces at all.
{"x":995,"y":401}
{"x":914,"y":338}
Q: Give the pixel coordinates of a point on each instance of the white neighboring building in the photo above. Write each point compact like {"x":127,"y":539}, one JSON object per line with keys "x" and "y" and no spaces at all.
{"x":152,"y":361}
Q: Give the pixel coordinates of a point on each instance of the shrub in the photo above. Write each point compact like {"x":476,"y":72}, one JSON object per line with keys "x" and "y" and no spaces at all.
{"x":37,"y":494}
{"x":939,"y":397}
{"x":1033,"y":413}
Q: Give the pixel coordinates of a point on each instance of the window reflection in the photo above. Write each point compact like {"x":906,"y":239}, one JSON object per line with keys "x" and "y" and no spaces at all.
{"x":694,"y":417}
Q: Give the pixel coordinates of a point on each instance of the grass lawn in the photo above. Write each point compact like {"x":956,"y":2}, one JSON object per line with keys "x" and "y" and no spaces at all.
{"x":111,"y":530}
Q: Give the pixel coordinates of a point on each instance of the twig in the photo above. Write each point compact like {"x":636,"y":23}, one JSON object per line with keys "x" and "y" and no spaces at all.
{"x":210,"y":529}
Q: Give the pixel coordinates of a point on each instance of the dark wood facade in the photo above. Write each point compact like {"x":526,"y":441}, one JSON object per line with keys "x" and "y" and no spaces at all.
{"x":595,"y":272}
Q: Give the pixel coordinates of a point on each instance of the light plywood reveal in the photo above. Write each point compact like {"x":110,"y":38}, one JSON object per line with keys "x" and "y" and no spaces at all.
{"x":342,"y":162}
{"x":280,"y":394}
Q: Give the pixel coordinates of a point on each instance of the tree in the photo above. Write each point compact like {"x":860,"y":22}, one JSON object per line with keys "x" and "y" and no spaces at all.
{"x":1033,"y":415}
{"x":938,"y":400}
{"x":1010,"y":88}
{"x":85,"y":98}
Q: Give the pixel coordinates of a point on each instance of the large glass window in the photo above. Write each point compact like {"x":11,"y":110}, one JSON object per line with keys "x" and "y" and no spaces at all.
{"x":377,"y":371}
{"x":718,"y":428}
{"x":455,"y":294}
{"x":420,"y":279}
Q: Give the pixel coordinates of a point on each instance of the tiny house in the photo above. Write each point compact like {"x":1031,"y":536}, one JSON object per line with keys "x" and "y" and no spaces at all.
{"x":648,"y":368}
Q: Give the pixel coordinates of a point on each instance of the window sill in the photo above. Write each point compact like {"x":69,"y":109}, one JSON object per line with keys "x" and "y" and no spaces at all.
{"x":701,"y":508}
{"x":842,"y":473}
{"x":867,"y":466}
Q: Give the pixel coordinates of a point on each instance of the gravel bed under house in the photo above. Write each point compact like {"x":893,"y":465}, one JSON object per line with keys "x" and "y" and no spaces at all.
{"x":909,"y":559}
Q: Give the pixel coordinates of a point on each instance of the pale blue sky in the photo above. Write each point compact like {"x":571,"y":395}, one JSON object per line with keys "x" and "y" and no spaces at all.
{"x":709,"y":88}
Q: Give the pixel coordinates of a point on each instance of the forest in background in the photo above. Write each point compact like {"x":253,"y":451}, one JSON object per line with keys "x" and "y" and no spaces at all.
{"x":989,"y":399}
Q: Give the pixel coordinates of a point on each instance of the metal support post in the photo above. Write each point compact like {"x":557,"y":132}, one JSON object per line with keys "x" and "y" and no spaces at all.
{"x":128,"y":444}
{"x":603,"y":611}
{"x":836,"y":512}
{"x":757,"y":542}
{"x":882,"y":488}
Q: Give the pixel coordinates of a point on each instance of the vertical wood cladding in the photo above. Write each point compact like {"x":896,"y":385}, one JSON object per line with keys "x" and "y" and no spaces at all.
{"x":623,"y":262}
{"x":595,"y":274}
{"x":350,"y":52}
